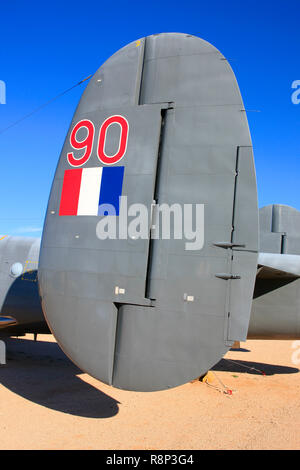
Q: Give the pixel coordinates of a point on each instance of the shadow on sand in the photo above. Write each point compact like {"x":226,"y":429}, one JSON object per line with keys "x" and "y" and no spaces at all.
{"x":240,"y":350}
{"x":40,"y":372}
{"x":257,"y":368}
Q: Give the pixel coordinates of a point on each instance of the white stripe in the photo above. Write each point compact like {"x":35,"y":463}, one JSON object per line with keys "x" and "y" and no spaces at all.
{"x":89,"y":191}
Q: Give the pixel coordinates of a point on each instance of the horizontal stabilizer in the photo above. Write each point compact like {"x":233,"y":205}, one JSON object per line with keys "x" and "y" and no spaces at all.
{"x":275,"y":265}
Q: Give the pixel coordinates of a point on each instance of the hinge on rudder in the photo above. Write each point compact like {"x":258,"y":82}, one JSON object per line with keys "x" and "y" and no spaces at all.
{"x":227,"y":276}
{"x":228,"y":245}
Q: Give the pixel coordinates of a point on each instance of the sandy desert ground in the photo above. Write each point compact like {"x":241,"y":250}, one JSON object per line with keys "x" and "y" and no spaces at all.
{"x":48,"y":403}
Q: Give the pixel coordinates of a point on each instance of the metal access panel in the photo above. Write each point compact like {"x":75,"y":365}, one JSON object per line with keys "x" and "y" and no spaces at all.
{"x":150,"y":313}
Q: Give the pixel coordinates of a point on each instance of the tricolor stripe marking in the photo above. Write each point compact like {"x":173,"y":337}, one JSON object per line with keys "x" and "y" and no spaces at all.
{"x":91,"y":191}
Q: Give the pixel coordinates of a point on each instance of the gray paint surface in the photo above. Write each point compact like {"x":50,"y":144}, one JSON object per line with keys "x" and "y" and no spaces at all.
{"x":20,"y":308}
{"x":290,"y":264}
{"x":189,"y":143}
{"x":276,"y":305}
{"x":151,"y":338}
{"x":279,"y":229}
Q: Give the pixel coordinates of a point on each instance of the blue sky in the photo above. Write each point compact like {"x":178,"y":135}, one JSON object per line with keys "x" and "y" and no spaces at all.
{"x":47,"y":47}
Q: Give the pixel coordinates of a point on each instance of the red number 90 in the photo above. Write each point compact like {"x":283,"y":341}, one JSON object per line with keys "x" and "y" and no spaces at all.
{"x":87,"y":143}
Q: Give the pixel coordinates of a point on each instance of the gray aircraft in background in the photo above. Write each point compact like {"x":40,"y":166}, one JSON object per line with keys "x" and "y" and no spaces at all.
{"x":161,"y":122}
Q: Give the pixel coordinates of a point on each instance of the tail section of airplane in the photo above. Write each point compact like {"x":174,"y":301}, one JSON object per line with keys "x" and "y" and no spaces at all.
{"x":161,"y":126}
{"x":149,"y":266}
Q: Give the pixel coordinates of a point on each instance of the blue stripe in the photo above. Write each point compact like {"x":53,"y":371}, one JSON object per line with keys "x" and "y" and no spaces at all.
{"x":111,"y":190}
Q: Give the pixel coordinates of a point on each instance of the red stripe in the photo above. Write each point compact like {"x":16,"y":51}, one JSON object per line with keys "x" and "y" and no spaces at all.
{"x":70,"y":192}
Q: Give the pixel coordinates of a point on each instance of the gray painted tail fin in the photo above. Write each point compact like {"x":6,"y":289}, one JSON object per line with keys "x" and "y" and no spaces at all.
{"x":161,"y":123}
